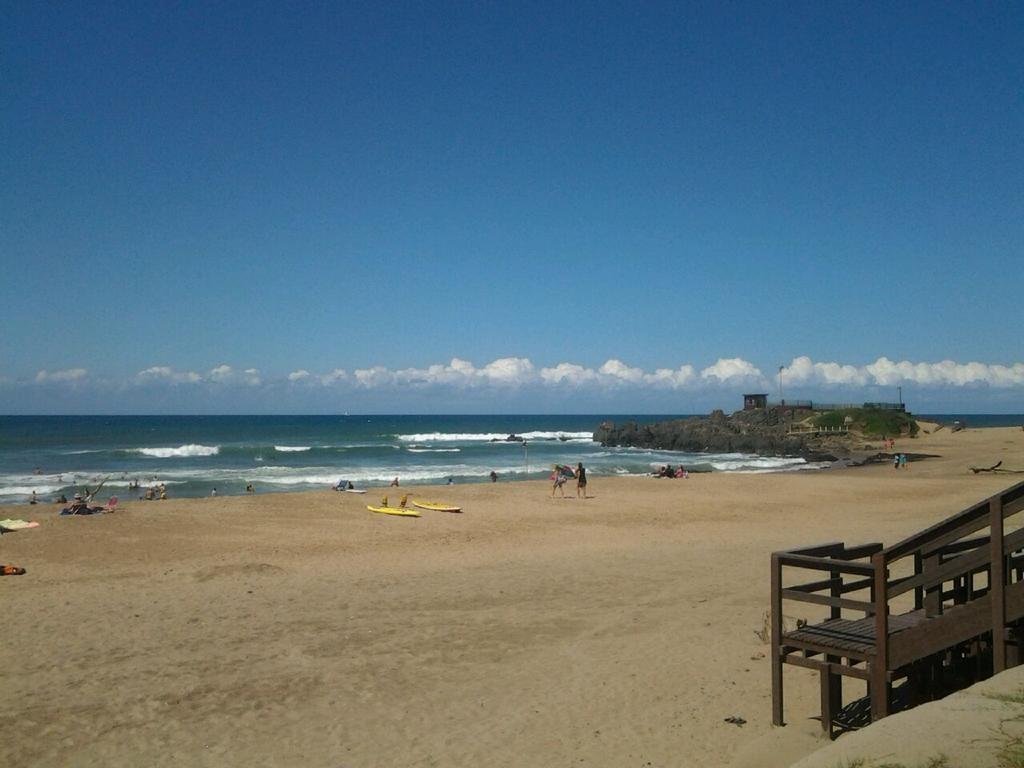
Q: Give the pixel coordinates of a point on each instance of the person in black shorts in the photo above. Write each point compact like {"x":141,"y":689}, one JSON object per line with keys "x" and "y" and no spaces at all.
{"x":581,"y":480}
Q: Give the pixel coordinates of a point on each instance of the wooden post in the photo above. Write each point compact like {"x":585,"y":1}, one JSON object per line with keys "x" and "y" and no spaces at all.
{"x":776,"y":619}
{"x":933,"y":594}
{"x":918,"y":591}
{"x":836,"y":591}
{"x":831,"y":694}
{"x":997,"y":588}
{"x":879,"y":674}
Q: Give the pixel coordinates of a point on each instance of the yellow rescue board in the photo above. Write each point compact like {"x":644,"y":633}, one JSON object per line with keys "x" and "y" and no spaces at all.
{"x":395,"y":511}
{"x":436,"y":507}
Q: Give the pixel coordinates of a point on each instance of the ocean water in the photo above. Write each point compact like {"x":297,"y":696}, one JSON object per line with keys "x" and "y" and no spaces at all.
{"x":192,"y":455}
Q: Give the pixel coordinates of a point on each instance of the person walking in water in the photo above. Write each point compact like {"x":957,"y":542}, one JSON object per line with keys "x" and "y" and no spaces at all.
{"x":581,"y":480}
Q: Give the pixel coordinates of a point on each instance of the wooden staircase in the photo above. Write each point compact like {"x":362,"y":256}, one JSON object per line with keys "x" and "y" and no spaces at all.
{"x":938,"y":610}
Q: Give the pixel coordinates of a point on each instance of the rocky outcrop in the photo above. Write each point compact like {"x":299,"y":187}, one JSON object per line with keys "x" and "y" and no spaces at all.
{"x":743,"y":432}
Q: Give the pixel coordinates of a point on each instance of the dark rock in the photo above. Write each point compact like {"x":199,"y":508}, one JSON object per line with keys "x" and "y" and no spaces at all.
{"x":756,"y":432}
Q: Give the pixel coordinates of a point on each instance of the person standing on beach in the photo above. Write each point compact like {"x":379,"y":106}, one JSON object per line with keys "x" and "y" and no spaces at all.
{"x":558,"y":476}
{"x":581,"y":480}
{"x":903,"y":461}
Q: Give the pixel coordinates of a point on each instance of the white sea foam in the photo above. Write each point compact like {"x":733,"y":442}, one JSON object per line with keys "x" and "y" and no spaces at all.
{"x":433,"y":450}
{"x":292,"y":448}
{"x":181,"y":450}
{"x":26,"y":490}
{"x":755,"y":464}
{"x":467,"y":437}
{"x":582,"y":437}
{"x":453,"y":437}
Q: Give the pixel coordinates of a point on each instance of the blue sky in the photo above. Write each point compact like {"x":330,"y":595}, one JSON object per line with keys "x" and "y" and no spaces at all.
{"x":445,"y":207}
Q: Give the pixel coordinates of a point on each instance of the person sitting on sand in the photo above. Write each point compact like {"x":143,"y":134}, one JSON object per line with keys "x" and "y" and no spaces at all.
{"x":79,"y":506}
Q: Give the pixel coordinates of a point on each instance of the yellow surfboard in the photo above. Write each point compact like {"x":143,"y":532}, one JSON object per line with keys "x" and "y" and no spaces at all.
{"x":402,"y":511}
{"x":436,"y":507}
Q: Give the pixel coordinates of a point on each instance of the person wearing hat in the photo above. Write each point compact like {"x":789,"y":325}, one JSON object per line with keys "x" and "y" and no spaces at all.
{"x":78,"y":506}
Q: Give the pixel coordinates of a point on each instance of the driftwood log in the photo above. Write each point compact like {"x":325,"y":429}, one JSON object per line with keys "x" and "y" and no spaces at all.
{"x":993,"y":468}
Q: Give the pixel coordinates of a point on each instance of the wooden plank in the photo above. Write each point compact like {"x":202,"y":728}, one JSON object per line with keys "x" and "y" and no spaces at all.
{"x":824,"y":564}
{"x":934,"y":575}
{"x":956,"y":527}
{"x":846,"y":670}
{"x":859,"y":650}
{"x":862,"y":550}
{"x":777,"y":651}
{"x":957,"y":546}
{"x":958,"y":624}
{"x":835,"y":602}
{"x":831,"y":695}
{"x":879,"y":682}
{"x":816,"y":549}
{"x":817,"y":586}
{"x":997,"y":588}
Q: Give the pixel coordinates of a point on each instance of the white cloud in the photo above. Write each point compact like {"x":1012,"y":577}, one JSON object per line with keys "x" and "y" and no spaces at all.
{"x":666,"y":377}
{"x":726,"y":374}
{"x":886,"y":373}
{"x":804,"y":371}
{"x":68,"y":375}
{"x":164,"y":373}
{"x":731,"y":369}
{"x":374,"y":377}
{"x":618,"y":371}
{"x":222,"y":373}
{"x":334,"y":377}
{"x":509,"y":371}
{"x":568,"y":373}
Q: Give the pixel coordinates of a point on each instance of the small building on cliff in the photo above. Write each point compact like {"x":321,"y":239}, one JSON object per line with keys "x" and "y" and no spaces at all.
{"x":753,"y":402}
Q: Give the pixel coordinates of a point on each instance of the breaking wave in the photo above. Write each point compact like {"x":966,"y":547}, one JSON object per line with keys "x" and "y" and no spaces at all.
{"x":498,"y":437}
{"x":180,"y":451}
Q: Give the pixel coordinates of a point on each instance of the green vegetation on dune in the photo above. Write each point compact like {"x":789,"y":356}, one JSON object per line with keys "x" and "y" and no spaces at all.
{"x":870,"y":421}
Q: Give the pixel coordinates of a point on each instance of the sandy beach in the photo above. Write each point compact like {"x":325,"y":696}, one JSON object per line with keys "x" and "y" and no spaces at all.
{"x":300,"y":629}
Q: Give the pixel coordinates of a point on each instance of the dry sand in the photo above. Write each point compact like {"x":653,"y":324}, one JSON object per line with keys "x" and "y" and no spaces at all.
{"x":301,"y":629}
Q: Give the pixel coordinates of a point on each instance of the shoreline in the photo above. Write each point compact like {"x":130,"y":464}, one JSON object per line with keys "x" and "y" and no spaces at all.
{"x":529,"y":630}
{"x":276,"y":454}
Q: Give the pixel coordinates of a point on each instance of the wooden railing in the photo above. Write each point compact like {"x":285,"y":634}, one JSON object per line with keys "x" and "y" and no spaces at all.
{"x":960,"y":571}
